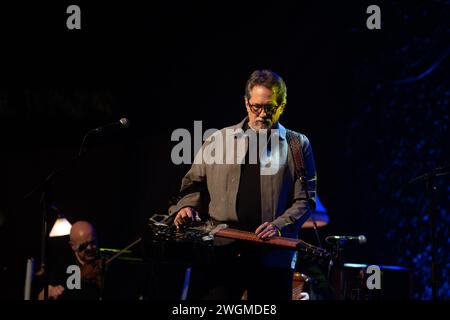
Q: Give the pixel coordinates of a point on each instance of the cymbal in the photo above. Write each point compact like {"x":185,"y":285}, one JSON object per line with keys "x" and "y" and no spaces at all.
{"x":322,"y":219}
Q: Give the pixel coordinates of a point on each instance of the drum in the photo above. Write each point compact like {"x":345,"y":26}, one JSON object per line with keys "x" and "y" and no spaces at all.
{"x":300,"y":286}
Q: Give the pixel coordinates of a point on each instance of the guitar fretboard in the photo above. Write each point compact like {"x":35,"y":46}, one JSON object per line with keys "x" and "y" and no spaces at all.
{"x":287,"y":243}
{"x":281,"y":242}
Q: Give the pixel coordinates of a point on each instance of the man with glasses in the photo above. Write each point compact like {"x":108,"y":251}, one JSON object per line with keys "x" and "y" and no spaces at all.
{"x":83,"y":242}
{"x":244,"y":195}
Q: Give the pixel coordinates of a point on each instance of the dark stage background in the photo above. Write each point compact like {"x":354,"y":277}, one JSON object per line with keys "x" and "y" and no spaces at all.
{"x":374,"y":103}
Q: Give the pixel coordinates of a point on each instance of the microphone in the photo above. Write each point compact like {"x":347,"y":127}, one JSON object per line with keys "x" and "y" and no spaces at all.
{"x":121,"y":124}
{"x":333,"y":239}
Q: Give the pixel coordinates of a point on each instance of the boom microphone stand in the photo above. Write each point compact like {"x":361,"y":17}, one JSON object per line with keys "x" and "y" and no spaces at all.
{"x":45,"y":189}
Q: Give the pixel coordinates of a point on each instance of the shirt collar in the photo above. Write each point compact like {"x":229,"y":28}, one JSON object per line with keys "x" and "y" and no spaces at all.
{"x":281,"y":132}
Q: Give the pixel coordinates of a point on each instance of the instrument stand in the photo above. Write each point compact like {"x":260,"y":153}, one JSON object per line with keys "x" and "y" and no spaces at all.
{"x":431,"y":190}
{"x":429,"y":179}
{"x":45,"y":189}
{"x":44,"y":229}
{"x":336,"y":272}
{"x":304,"y":183}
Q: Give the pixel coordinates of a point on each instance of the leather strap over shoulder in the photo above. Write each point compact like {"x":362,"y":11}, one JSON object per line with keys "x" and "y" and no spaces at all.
{"x":295,"y":142}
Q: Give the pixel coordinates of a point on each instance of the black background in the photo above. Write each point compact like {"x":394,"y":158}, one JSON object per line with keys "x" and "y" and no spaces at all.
{"x":164,"y":65}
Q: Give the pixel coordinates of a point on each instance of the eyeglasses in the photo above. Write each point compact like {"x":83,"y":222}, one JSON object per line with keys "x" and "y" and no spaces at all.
{"x":83,"y":246}
{"x":268,"y":108}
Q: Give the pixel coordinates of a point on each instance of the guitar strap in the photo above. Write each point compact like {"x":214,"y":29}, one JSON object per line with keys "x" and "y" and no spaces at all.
{"x":294,"y":143}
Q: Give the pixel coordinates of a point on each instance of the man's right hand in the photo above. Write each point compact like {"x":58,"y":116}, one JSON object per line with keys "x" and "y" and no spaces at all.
{"x":53,"y":292}
{"x":186,"y":215}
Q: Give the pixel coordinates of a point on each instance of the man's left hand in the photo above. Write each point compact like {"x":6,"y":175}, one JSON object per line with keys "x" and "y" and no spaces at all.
{"x":267,"y":230}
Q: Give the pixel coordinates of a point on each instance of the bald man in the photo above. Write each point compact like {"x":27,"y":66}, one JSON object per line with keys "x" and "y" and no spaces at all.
{"x":83,"y":242}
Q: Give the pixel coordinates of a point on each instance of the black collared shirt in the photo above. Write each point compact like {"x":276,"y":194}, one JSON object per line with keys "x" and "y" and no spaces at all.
{"x":248,"y":202}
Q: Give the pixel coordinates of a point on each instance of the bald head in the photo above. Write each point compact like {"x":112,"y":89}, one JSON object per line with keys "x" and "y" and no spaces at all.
{"x":82,"y":231}
{"x":83,"y":240}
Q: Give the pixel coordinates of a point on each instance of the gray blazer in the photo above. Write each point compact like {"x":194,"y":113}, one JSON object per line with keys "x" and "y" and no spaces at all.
{"x":283,"y":200}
